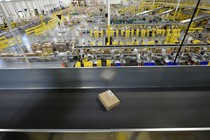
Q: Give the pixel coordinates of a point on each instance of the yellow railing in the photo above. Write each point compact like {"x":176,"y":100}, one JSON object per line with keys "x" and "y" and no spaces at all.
{"x":41,"y":30}
{"x":32,"y":30}
{"x":196,"y":30}
{"x":4,"y":42}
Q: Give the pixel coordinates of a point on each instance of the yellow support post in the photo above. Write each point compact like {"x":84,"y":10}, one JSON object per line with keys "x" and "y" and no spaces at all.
{"x":159,"y":31}
{"x":122,"y":32}
{"x":117,"y":33}
{"x":137,"y":32}
{"x":180,"y":11}
{"x":168,"y":38}
{"x":108,"y":33}
{"x":168,"y":31}
{"x":127,"y":33}
{"x":96,"y":34}
{"x":132,"y":32}
{"x":143,"y":33}
{"x":40,"y":17}
{"x":153,"y":32}
{"x":91,"y":33}
{"x":148,"y":30}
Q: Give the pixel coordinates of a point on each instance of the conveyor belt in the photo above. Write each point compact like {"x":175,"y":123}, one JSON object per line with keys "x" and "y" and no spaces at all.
{"x":80,"y":109}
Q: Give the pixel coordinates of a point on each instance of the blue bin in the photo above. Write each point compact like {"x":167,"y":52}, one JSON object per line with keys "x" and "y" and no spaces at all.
{"x":204,"y":63}
{"x":149,"y":64}
{"x":118,"y":64}
{"x":171,"y":63}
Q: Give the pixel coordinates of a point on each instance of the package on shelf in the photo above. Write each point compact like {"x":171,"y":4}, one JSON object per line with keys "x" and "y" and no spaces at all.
{"x":168,"y":50}
{"x":61,"y":46}
{"x":39,"y":53}
{"x":18,"y":55}
{"x":49,"y":49}
{"x":31,"y":54}
{"x":158,"y":50}
{"x":36,"y":46}
{"x":7,"y":54}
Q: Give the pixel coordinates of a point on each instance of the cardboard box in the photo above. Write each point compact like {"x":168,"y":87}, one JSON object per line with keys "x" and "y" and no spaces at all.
{"x":109,"y":100}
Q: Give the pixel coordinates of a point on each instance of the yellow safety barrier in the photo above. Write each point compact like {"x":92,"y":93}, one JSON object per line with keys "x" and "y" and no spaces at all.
{"x":135,"y":43}
{"x":117,"y":33}
{"x":173,"y":39}
{"x":153,"y":32}
{"x":92,"y":43}
{"x":122,"y":32}
{"x":88,"y":64}
{"x":148,"y":30}
{"x":40,"y":30}
{"x":108,"y":63}
{"x":196,"y":30}
{"x":3,"y":38}
{"x":114,"y":43}
{"x":96,"y":34}
{"x":163,"y":32}
{"x":168,"y":31}
{"x":158,"y":32}
{"x":127,"y":33}
{"x":32,"y":30}
{"x":111,"y":32}
{"x":99,"y":64}
{"x":151,"y":42}
{"x":132,"y":32}
{"x":168,"y":38}
{"x":196,"y":41}
{"x":78,"y":65}
{"x":137,"y":32}
{"x":4,"y":42}
{"x":143,"y":43}
{"x":52,"y":23}
{"x":101,"y":33}
{"x":143,"y":33}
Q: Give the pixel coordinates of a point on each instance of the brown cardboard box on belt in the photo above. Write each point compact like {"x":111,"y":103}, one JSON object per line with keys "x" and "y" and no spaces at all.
{"x":108,"y":99}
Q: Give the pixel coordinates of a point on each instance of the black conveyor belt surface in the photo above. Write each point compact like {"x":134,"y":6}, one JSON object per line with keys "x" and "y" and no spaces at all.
{"x":81,"y":109}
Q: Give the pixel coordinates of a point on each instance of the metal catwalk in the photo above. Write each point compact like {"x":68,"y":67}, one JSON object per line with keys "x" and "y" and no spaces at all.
{"x":81,"y":109}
